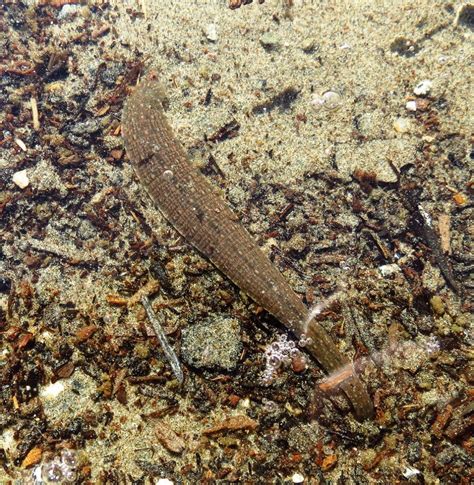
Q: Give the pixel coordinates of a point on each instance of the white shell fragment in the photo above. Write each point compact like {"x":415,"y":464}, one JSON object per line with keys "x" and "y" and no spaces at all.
{"x":411,"y":106}
{"x":423,"y":87}
{"x":410,"y":472}
{"x":21,"y":144}
{"x":211,"y":32}
{"x":21,"y":179}
{"x":297,"y":478}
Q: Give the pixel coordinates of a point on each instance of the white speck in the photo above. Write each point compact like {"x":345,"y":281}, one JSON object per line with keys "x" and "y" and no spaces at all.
{"x":424,"y":87}
{"x":211,"y":32}
{"x":164,"y":481}
{"x":21,"y":144}
{"x":426,"y":217}
{"x":52,"y":390}
{"x":21,"y":179}
{"x":297,"y":478}
{"x":389,"y":269}
{"x":410,"y":472}
{"x":345,"y":46}
{"x":411,"y":106}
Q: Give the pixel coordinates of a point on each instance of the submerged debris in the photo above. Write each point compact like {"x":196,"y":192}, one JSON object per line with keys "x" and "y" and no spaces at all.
{"x":167,"y":349}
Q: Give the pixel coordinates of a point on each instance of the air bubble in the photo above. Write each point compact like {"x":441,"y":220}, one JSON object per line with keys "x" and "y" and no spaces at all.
{"x":168,"y":175}
{"x":328,"y":100}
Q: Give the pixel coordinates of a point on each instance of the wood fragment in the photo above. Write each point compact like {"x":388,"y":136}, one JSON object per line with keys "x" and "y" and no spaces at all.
{"x":233,"y":423}
{"x":444,"y":228}
{"x":169,"y":439}
{"x":441,"y":421}
{"x":117,"y":300}
{"x":85,"y":333}
{"x":34,"y":113}
{"x":32,"y":458}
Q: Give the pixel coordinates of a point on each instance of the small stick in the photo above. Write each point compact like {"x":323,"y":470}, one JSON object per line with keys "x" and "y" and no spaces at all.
{"x":34,"y":113}
{"x":168,"y":350}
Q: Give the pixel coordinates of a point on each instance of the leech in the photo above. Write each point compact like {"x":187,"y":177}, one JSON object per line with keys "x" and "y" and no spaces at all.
{"x":189,"y":202}
{"x":167,"y":349}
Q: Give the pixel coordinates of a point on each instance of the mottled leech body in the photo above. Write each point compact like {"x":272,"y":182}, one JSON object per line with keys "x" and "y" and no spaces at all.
{"x":198,"y":212}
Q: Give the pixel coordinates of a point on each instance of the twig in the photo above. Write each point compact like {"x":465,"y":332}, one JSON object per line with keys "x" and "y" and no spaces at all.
{"x":34,"y":113}
{"x":168,"y":350}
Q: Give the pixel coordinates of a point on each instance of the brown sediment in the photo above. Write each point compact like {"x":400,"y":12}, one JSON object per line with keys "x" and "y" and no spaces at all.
{"x":198,"y":212}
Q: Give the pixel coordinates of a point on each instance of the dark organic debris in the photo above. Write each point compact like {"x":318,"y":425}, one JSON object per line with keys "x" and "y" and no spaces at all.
{"x":282,"y":100}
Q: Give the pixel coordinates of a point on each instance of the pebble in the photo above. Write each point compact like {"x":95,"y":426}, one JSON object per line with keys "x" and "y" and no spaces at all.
{"x":423,"y":87}
{"x":297,"y":478}
{"x":85,"y":127}
{"x":402,"y":125}
{"x":212,"y":344}
{"x":309,"y":45}
{"x":21,"y":179}
{"x":67,"y":11}
{"x":411,"y":106}
{"x":211,"y":32}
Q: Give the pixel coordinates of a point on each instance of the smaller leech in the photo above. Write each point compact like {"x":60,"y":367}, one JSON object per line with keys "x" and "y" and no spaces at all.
{"x":167,"y":349}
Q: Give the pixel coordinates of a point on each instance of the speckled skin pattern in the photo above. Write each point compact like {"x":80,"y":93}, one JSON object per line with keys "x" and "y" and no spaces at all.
{"x":189,"y":201}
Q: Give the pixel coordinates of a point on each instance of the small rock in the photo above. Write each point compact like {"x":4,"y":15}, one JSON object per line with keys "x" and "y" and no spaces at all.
{"x":423,"y":87}
{"x":309,"y":45}
{"x":211,"y":32}
{"x":213,"y":344}
{"x":85,"y":128}
{"x":68,"y":11}
{"x":411,"y":106}
{"x":297,"y":478}
{"x":269,"y":40}
{"x":21,"y":179}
